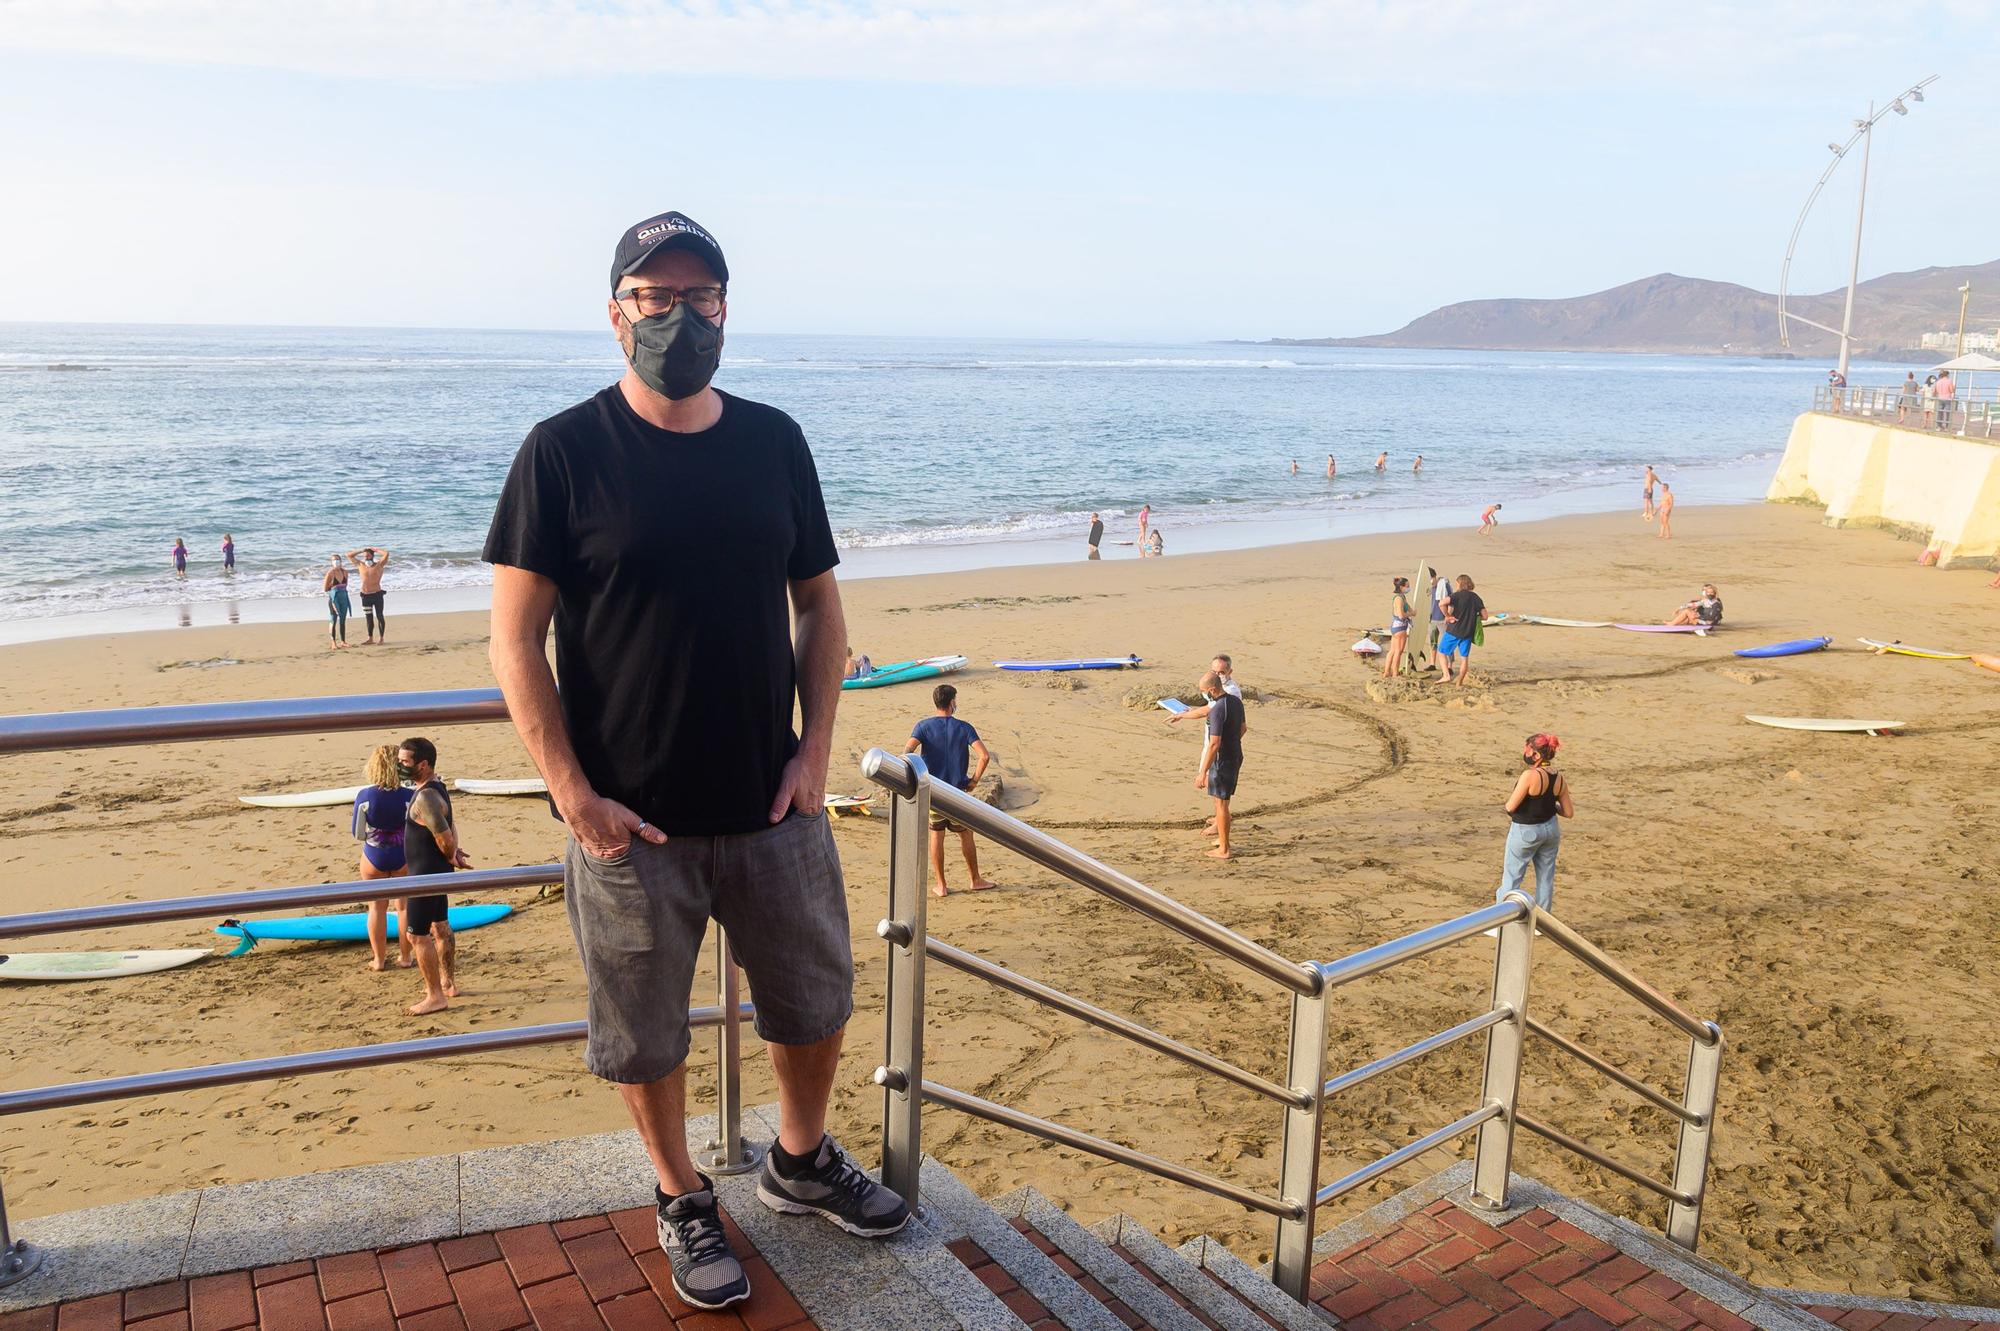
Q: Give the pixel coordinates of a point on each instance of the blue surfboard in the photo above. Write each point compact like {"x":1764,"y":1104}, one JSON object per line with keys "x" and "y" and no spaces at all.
{"x":351,"y":928}
{"x":1796,"y":647}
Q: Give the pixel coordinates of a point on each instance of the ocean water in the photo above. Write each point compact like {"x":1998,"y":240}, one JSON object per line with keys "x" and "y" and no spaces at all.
{"x":932,"y":452}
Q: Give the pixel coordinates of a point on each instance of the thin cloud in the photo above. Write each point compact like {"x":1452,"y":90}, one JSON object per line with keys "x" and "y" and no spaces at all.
{"x":1338,"y":47}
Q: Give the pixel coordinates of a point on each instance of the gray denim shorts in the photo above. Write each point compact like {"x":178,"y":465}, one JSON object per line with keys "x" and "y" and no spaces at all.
{"x":639,"y":922}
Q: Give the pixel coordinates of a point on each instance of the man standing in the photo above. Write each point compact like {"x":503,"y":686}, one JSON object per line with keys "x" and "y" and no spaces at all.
{"x":1462,"y":616}
{"x":430,"y":845}
{"x":370,"y":560}
{"x":664,"y":526}
{"x":1096,"y":535}
{"x":946,"y":742}
{"x":1665,"y":512}
{"x":1221,"y":756}
{"x":1652,"y":479}
{"x":1946,"y":390}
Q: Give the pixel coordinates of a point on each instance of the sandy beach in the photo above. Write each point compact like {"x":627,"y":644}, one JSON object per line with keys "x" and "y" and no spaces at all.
{"x":1831,"y":899}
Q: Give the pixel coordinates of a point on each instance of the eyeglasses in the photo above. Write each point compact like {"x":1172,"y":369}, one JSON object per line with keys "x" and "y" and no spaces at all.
{"x":651,"y":301}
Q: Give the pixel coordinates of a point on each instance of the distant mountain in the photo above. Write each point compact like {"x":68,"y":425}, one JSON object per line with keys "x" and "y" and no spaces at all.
{"x":1690,"y":315}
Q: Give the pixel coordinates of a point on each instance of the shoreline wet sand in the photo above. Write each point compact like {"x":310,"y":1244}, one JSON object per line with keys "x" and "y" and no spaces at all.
{"x":1830,"y":899}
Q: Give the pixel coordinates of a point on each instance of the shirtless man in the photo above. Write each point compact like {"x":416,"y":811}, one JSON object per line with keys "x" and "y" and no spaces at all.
{"x":1381,"y":461}
{"x":1329,"y":466}
{"x":1666,"y":511}
{"x":369,"y":561}
{"x":1418,"y":465}
{"x":1487,"y":522}
{"x":1646,"y":513}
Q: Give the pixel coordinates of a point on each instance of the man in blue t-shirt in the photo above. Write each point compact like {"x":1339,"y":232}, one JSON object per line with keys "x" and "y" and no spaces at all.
{"x":946,"y":741}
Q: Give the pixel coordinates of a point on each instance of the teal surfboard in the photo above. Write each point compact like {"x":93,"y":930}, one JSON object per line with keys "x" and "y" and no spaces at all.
{"x":351,"y":928}
{"x":902,"y":672}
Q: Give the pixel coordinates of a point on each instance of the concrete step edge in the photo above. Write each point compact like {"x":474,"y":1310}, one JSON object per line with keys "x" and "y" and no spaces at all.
{"x":1183,"y":1276}
{"x":1251,"y":1286}
{"x":1110,"y":1270}
{"x":957,"y":1212}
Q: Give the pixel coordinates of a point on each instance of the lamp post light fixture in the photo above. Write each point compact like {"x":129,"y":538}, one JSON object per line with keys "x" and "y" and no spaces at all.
{"x":1864,"y":135}
{"x":1964,"y":295}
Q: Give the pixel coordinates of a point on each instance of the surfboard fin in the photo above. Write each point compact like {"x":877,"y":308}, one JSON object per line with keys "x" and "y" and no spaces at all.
{"x":249,"y":940}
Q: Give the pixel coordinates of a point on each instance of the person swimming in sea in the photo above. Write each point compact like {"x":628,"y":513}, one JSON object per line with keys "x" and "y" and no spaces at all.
{"x":1381,"y":460}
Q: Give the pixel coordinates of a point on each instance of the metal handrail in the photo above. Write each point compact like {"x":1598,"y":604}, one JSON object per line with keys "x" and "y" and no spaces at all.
{"x":38,"y":732}
{"x":1398,"y":950}
{"x":1619,"y":1075}
{"x":1109,"y":1150}
{"x":262,"y":901}
{"x":1574,"y":943}
{"x":1588,"y":1152}
{"x":1515,"y":921}
{"x":1403,"y":1155}
{"x":287,"y":716}
{"x":1369,"y":1071}
{"x":896,"y":774}
{"x":1048,"y":996}
{"x":70,"y":1094}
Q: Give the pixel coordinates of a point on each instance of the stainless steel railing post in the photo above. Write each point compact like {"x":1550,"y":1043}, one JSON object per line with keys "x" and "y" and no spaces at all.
{"x":18,"y":1257}
{"x":1704,"y":1076}
{"x":905,"y":930}
{"x":1493,"y":1155}
{"x":1298,"y":1169}
{"x":728,"y":1153}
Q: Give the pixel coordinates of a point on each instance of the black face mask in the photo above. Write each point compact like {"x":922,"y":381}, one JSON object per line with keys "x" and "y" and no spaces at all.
{"x":675,"y":354}
{"x":406,"y":772}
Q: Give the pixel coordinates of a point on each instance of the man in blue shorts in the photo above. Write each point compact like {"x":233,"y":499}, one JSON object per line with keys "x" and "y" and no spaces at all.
{"x":1461,"y":621}
{"x":947,"y":742}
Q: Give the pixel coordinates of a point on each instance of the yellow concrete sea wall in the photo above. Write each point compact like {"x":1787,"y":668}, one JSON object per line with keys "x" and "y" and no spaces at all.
{"x":1942,"y":489}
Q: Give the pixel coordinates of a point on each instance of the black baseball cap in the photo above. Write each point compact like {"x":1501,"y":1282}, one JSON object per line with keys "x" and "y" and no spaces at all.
{"x":668,"y":231}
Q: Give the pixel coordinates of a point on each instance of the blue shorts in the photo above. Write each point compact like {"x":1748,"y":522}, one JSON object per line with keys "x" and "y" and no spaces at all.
{"x":1453,"y":645}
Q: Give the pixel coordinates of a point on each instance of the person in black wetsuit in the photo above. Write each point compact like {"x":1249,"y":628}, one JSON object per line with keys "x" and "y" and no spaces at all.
{"x":430,"y":845}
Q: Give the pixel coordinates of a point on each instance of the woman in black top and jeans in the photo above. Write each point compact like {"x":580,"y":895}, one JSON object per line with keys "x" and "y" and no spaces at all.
{"x":1540,"y":795}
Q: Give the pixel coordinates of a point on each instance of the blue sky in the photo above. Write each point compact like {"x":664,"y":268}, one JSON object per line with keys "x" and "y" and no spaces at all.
{"x":1162,"y":171}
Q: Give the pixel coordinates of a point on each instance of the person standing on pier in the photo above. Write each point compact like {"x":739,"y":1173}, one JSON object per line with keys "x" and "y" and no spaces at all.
{"x":664,"y":526}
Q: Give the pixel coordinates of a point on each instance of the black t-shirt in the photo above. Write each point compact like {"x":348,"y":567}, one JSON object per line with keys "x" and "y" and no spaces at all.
{"x":672,"y":556}
{"x":1225,"y":722}
{"x":1466,"y":612}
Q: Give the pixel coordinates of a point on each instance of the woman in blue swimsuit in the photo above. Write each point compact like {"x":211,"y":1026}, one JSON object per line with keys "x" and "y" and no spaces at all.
{"x":380,"y":809}
{"x":334,"y":584}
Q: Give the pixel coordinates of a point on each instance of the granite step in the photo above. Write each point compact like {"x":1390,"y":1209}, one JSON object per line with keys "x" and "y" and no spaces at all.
{"x":1253,"y":1288}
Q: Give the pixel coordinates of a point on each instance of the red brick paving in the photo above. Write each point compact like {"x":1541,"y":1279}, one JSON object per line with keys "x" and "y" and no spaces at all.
{"x":1444,"y":1269}
{"x":599,"y":1273}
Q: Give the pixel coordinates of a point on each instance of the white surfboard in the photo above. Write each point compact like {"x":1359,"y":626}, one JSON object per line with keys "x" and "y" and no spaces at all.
{"x":94,"y":965}
{"x":1841,"y":724}
{"x":1900,"y":649}
{"x":302,"y":799}
{"x":1565,"y":623}
{"x":523,"y":785}
{"x":841,"y":805}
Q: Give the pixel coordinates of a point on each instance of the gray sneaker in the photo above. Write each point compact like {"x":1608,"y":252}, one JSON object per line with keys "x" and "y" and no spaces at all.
{"x":706,"y":1273}
{"x":831,"y":1186}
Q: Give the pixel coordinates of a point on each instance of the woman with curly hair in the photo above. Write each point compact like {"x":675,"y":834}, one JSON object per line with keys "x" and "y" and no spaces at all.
{"x":380,"y":808}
